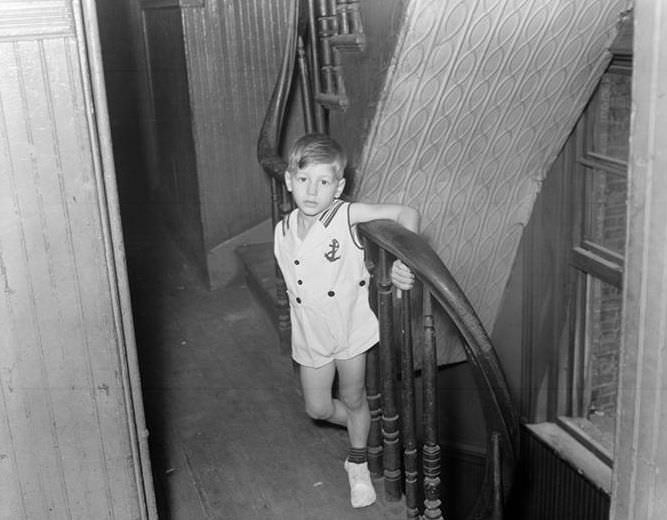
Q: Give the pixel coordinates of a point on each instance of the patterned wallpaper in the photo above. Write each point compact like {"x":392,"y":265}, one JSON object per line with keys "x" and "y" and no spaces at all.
{"x":480,"y":99}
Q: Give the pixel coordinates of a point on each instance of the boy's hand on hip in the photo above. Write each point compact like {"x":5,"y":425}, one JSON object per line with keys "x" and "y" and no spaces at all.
{"x":401,"y":276}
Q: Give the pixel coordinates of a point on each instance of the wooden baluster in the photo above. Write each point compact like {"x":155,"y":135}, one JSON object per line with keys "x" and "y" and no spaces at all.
{"x":391,"y":456}
{"x":343,"y":18}
{"x":320,"y":125}
{"x":431,"y":451}
{"x":355,"y":18}
{"x":497,"y":513}
{"x":373,"y":382}
{"x":408,"y":406}
{"x":284,"y":323}
{"x":276,"y":190}
{"x":375,"y":406}
{"x":324,"y":32}
{"x":338,"y":76}
{"x":306,"y":91}
{"x":331,"y":8}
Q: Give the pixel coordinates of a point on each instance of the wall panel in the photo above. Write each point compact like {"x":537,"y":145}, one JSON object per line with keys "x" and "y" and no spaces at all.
{"x":68,"y":448}
{"x":176,"y":177}
{"x":224,"y":57}
{"x":234,"y":50}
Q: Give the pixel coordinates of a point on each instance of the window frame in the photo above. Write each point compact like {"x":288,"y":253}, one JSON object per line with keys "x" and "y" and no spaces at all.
{"x":588,"y":260}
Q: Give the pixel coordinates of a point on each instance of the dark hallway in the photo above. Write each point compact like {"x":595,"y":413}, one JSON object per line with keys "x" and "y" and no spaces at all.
{"x":228,"y":436}
{"x":142,"y":145}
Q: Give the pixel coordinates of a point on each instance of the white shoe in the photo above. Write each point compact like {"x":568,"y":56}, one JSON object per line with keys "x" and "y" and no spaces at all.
{"x":362,"y":492}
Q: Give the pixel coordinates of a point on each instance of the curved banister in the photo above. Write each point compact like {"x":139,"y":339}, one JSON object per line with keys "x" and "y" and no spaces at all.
{"x":502,"y":422}
{"x":415,"y":252}
{"x":269,"y":136}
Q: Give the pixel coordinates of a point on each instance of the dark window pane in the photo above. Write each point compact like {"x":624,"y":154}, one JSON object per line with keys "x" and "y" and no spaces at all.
{"x":603,"y":339}
{"x":609,"y":119}
{"x":605,"y":204}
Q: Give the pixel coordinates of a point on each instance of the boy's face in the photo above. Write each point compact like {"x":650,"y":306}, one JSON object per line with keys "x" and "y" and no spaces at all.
{"x":314,"y":187}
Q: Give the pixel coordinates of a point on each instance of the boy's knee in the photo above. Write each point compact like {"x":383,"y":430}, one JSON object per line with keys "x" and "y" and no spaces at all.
{"x":354,"y":402}
{"x":319,"y":411}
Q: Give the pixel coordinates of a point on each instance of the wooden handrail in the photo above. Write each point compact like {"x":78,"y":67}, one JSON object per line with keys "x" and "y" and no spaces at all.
{"x":415,"y":252}
{"x":392,"y":240}
{"x":268,"y":153}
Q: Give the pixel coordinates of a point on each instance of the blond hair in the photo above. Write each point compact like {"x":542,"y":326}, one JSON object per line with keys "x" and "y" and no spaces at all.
{"x":316,"y":149}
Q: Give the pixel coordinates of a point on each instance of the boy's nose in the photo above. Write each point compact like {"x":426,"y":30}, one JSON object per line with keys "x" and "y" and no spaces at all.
{"x":312,"y":188}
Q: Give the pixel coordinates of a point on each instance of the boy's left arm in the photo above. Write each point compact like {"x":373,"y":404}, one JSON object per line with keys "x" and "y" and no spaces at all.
{"x":401,"y":275}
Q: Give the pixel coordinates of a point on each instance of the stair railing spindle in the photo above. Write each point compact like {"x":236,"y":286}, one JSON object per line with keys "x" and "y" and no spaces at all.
{"x":373,"y":393}
{"x":408,"y":407}
{"x":431,"y":449}
{"x":306,"y":90}
{"x":498,"y":500}
{"x":390,"y":431}
{"x":374,"y":397}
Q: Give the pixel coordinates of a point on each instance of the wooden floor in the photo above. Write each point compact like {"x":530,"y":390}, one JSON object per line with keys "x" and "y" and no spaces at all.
{"x":229,"y":438}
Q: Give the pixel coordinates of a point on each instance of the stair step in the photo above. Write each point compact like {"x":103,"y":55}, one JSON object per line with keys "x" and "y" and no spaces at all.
{"x":260,"y":270}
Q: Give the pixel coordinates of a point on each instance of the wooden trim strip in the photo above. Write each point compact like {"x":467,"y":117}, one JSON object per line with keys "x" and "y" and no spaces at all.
{"x":39,"y":19}
{"x":165,"y":4}
{"x":599,"y":267}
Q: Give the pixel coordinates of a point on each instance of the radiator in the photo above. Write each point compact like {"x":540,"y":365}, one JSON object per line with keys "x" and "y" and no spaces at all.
{"x":549,"y":488}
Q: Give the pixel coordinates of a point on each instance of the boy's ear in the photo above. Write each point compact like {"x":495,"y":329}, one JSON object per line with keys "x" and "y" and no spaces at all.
{"x":288,"y":180}
{"x":340,"y":188}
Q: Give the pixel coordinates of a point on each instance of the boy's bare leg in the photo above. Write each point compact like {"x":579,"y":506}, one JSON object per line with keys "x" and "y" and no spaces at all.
{"x":320,"y":404}
{"x":352,"y":391}
{"x":351,"y":411}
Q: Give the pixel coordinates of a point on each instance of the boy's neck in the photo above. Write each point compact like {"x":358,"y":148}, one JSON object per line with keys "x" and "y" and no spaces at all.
{"x":305,"y":222}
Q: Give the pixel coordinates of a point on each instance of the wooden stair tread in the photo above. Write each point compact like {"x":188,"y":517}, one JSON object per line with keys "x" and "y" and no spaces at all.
{"x":260,"y":270}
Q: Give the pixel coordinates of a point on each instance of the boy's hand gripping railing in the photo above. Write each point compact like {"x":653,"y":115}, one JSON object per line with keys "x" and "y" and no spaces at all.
{"x":390,"y":428}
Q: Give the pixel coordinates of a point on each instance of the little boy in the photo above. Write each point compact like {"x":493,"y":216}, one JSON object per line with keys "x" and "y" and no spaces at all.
{"x":322,"y":261}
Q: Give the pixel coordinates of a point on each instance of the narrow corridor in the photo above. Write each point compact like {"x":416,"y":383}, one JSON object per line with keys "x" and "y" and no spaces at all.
{"x":228,"y":435}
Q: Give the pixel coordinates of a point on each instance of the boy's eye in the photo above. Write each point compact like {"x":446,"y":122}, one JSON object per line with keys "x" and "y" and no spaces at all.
{"x":301,"y":179}
{"x":324,"y":182}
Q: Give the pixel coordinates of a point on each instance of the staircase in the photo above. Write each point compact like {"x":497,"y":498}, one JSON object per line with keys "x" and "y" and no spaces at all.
{"x":410,"y":464}
{"x":260,"y":272}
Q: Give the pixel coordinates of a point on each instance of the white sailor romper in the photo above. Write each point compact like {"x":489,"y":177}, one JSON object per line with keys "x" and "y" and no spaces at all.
{"x":327,"y":287}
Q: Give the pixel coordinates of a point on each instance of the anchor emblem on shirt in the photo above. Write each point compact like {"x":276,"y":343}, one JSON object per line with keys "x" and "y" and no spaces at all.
{"x":331,"y":254}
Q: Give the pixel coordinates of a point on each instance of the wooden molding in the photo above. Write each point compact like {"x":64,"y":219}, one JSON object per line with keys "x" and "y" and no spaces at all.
{"x":38,"y":19}
{"x":352,"y":42}
{"x":164,"y":4}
